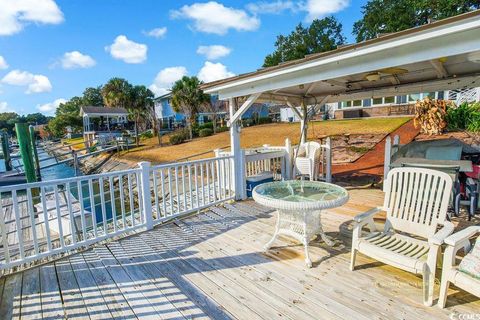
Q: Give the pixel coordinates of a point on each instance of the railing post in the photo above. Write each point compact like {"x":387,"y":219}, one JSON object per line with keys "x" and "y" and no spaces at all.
{"x":396,"y":144}
{"x":240,"y":175}
{"x":288,"y":159}
{"x":145,"y":194}
{"x":388,"y":155}
{"x":328,"y":156}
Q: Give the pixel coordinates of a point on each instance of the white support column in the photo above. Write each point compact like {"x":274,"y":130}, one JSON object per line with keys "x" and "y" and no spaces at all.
{"x":238,"y":158}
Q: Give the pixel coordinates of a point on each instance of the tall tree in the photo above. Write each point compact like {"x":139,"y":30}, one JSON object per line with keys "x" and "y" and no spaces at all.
{"x":322,"y":35}
{"x":7,"y":121}
{"x":385,"y":16}
{"x":214,"y":107}
{"x":93,"y":96}
{"x":66,"y":115}
{"x":188,"y":98}
{"x":116,"y":93}
{"x":141,"y":105}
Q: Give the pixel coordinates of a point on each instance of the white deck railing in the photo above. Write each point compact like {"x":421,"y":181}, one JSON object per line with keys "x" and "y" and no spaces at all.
{"x":39,"y":220}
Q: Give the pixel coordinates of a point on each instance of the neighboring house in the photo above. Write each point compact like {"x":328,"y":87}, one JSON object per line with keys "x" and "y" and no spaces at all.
{"x":385,"y":106}
{"x":171,"y":120}
{"x":99,"y":122}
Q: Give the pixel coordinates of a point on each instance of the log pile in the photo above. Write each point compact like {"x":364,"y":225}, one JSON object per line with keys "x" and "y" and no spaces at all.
{"x":430,"y":116}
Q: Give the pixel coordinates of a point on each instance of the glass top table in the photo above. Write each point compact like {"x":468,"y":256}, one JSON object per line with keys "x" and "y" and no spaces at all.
{"x":299,"y":205}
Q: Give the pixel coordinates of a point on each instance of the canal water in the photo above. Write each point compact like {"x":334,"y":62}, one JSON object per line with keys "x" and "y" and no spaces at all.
{"x":63,"y":171}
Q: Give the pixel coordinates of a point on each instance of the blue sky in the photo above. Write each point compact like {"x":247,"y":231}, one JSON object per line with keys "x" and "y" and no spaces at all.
{"x":51,"y":50}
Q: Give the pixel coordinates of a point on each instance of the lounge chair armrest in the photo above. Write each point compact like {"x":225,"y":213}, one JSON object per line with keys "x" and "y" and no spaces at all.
{"x":459,"y":237}
{"x":439,"y":237}
{"x":367,"y":215}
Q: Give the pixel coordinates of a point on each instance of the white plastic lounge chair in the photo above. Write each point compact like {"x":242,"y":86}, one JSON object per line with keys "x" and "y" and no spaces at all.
{"x":465,"y":275}
{"x":416,"y":202}
{"x":307,"y":160}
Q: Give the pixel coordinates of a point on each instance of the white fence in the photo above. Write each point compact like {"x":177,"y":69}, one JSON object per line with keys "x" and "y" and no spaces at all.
{"x":38,"y":220}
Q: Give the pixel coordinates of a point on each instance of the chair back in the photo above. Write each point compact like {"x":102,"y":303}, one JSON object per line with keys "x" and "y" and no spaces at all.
{"x":416,"y":200}
{"x":310,"y":150}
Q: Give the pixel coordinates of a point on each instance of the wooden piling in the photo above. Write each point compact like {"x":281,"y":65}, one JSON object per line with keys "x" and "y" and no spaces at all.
{"x":24,"y":144}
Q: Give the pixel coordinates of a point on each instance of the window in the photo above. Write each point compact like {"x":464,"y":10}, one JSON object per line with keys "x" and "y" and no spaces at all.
{"x":401,"y":99}
{"x":357,"y":103}
{"x":367,"y":102}
{"x":431,"y":95}
{"x":440,"y":95}
{"x":377,"y":101}
{"x":389,"y":99}
{"x":414,"y":97}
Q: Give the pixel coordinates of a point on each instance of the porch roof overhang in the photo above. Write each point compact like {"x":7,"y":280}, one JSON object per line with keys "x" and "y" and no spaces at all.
{"x":443,"y":55}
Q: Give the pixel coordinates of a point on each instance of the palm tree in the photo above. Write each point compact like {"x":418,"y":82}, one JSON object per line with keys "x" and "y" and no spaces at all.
{"x":116,"y":93}
{"x":188,"y":98}
{"x":141,"y":104}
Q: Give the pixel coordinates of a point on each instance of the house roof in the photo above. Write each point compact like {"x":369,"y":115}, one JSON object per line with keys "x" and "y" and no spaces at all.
{"x":90,"y":110}
{"x":445,"y":51}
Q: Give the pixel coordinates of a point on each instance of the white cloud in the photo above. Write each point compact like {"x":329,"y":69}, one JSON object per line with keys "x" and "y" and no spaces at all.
{"x":50,"y":107}
{"x":214,"y":17}
{"x":76,"y":59}
{"x":274,"y":7}
{"x":127,"y":50}
{"x":157,"y":32}
{"x":214,"y":52}
{"x":166,"y":78}
{"x":321,"y":8}
{"x":4,"y":107}
{"x":214,"y":71}
{"x":314,"y":8}
{"x":3,"y":63}
{"x":15,"y":14}
{"x":35,"y":83}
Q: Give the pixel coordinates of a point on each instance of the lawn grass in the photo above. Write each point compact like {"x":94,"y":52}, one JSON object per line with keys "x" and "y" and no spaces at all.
{"x":76,"y":142}
{"x":273,"y":134}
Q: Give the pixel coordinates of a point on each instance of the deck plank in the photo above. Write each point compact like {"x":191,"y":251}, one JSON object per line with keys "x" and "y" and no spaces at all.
{"x":117,"y":304}
{"x":31,"y":307}
{"x":91,"y":294}
{"x":50,"y":293}
{"x":73,"y":302}
{"x":174,"y":296}
{"x":11,"y":297}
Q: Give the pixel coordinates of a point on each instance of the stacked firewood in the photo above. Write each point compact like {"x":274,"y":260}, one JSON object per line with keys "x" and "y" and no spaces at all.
{"x":430,"y":116}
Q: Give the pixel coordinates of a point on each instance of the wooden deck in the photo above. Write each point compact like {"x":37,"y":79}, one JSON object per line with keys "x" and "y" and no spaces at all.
{"x":212,"y":266}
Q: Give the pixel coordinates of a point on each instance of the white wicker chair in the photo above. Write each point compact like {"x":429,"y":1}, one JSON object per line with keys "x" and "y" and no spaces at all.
{"x":416,"y":202}
{"x":308,"y":160}
{"x":450,"y":271}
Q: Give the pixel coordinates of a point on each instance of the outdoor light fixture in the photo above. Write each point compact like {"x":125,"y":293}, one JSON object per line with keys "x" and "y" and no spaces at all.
{"x":375,"y":76}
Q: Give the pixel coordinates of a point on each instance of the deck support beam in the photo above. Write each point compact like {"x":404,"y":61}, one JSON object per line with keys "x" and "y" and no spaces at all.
{"x":238,"y":154}
{"x":238,"y":114}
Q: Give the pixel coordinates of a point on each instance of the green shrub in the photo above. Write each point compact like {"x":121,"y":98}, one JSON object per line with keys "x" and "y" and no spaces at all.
{"x":222,"y":129}
{"x":248,"y":122}
{"x":146,"y":135}
{"x":205,"y":132}
{"x":207,"y":125}
{"x":179,"y":137}
{"x":264,"y":120}
{"x":464,"y":117}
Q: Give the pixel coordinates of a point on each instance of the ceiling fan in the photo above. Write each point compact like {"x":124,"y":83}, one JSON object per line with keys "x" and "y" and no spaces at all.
{"x":392,"y":71}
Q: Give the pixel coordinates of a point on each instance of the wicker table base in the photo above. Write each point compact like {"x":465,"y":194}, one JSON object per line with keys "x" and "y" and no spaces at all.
{"x":302,"y":226}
